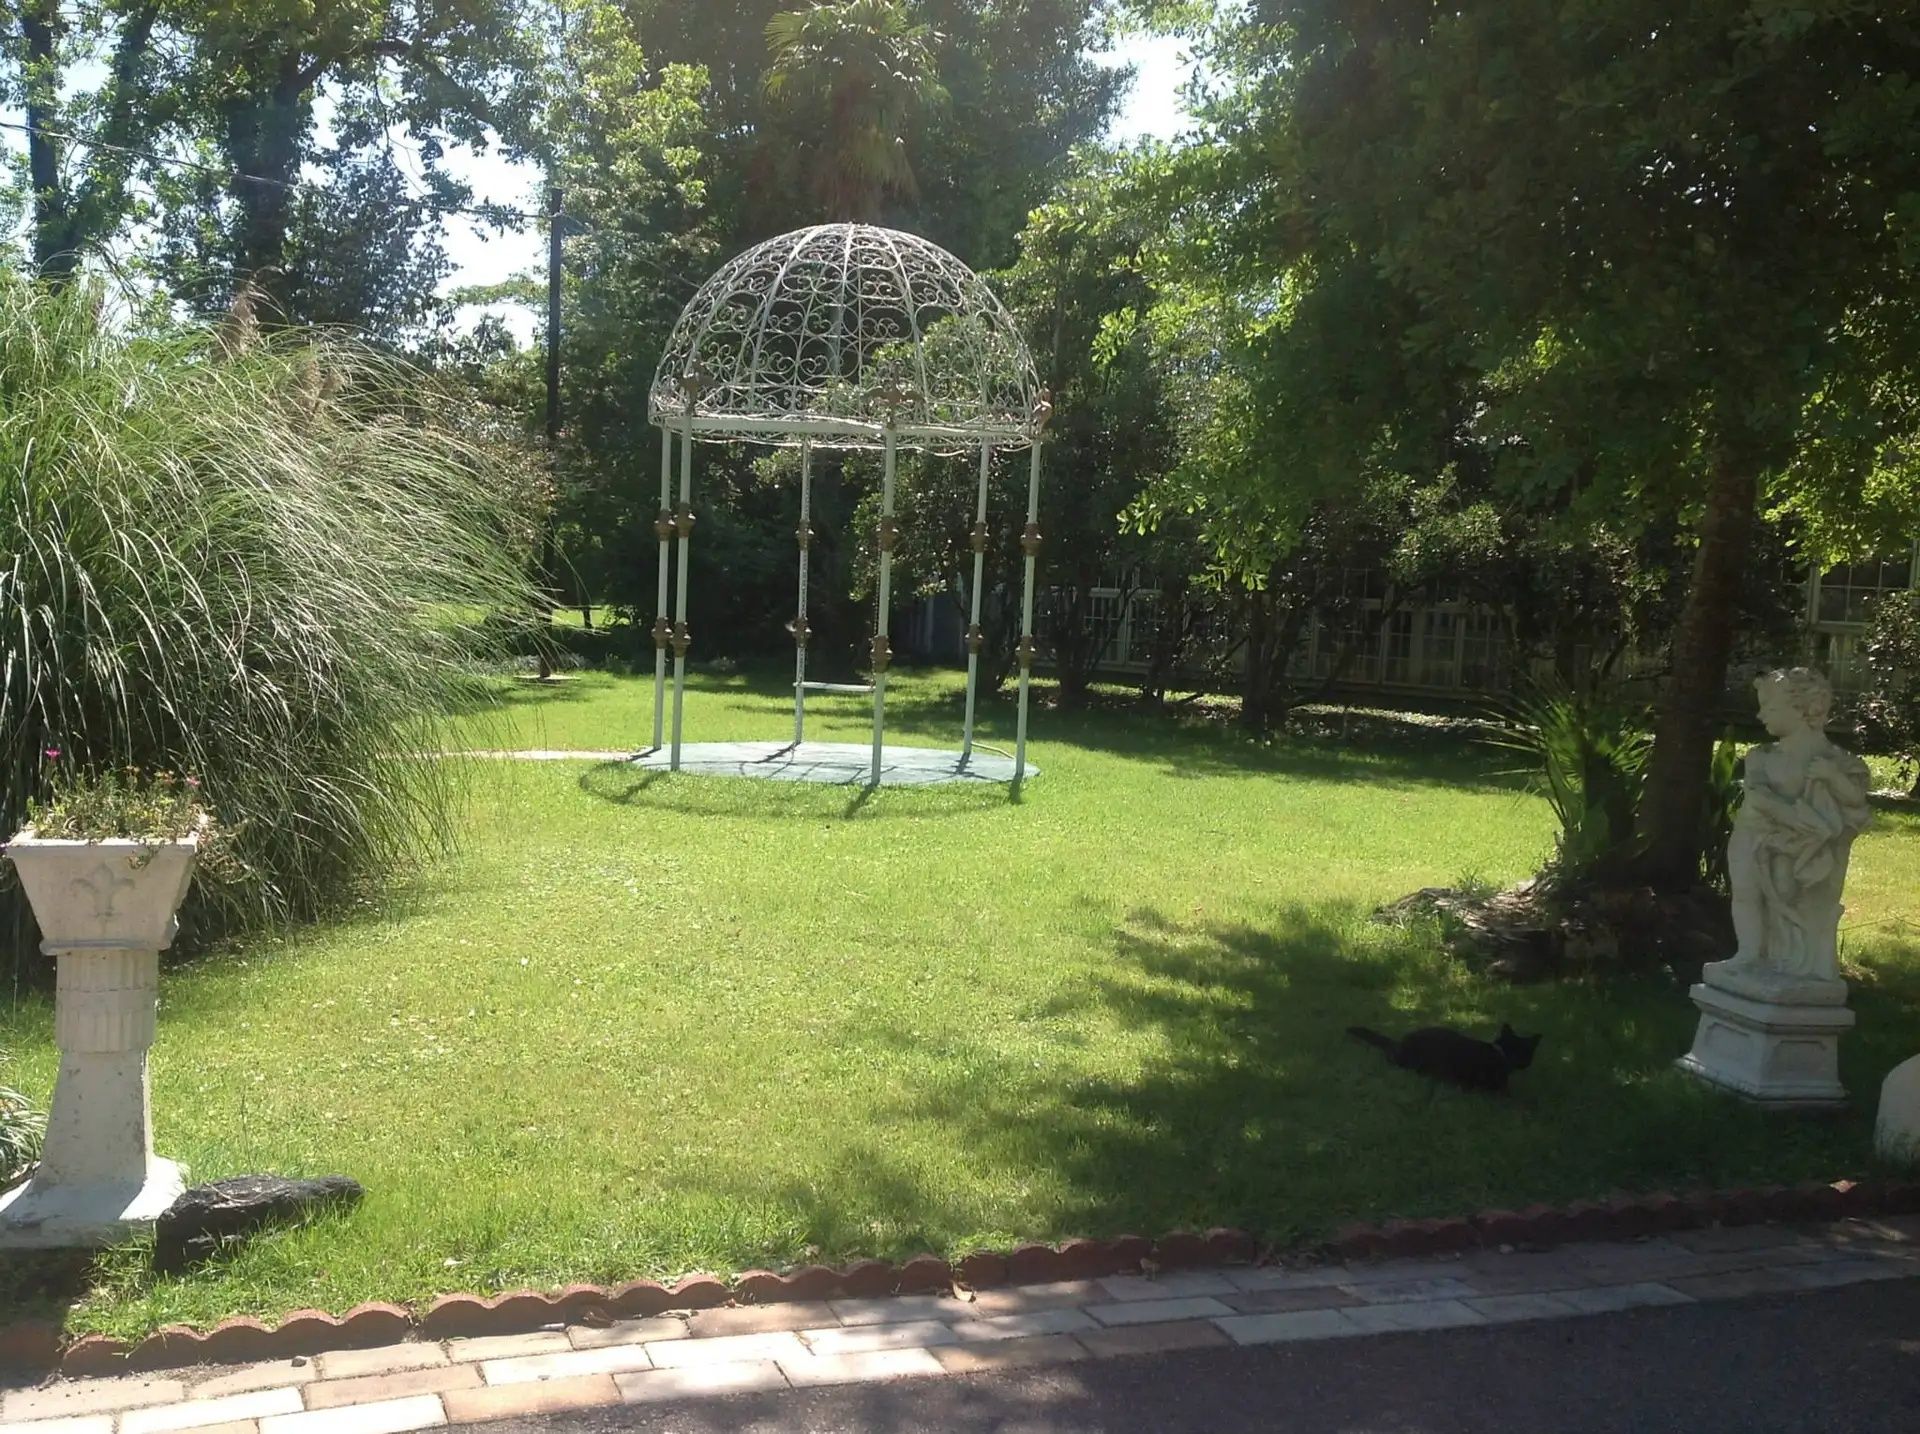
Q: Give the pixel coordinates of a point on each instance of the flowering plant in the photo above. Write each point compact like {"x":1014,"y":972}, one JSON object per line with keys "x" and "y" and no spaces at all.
{"x":127,"y":804}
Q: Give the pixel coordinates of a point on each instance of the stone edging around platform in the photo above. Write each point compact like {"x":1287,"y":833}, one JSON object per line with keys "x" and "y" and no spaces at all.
{"x":673,"y":1357}
{"x":36,"y":1345}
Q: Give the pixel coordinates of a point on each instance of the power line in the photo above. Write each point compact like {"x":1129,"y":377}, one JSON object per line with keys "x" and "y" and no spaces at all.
{"x":427,"y":202}
{"x":495,"y":213}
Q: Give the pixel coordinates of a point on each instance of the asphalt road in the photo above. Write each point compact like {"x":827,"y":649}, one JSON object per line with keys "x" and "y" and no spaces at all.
{"x":1831,"y":1361}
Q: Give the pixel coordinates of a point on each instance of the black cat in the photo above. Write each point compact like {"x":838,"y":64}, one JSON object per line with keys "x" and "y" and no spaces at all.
{"x":1450,"y":1055}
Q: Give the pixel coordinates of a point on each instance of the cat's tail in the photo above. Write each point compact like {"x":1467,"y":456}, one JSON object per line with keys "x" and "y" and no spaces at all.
{"x":1374,"y":1038}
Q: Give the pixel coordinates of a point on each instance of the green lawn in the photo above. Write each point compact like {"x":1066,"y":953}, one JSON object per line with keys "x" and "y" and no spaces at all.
{"x":648,"y":1025}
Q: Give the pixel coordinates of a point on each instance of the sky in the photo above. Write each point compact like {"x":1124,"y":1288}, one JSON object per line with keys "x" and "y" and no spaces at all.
{"x":484,"y":255}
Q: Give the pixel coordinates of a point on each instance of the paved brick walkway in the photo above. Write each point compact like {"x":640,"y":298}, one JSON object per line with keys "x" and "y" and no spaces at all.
{"x":421,"y":1385}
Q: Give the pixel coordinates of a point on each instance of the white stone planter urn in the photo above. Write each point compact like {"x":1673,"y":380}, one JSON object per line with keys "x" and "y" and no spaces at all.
{"x":106,"y":912}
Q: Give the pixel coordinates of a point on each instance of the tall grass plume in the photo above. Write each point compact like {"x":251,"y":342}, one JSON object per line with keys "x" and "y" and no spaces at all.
{"x":256,"y":562}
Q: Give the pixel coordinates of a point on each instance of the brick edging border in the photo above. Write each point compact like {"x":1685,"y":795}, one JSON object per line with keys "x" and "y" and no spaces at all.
{"x":36,"y":1345}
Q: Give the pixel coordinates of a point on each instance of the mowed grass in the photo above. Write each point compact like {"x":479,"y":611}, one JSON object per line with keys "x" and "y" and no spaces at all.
{"x":645,"y":1025}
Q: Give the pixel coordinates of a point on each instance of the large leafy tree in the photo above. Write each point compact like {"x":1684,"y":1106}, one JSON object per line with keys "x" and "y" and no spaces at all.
{"x":1289,"y":515}
{"x":624,"y":140}
{"x":257,"y":143}
{"x":1651,"y":263}
{"x":90,"y":73}
{"x":1022,"y":90}
{"x":1079,"y":291}
{"x":1025,"y":91}
{"x":861,"y":73}
{"x":275,"y":90}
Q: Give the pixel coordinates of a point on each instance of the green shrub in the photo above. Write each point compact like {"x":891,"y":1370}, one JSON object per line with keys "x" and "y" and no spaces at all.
{"x":234,"y":560}
{"x":1889,"y":702}
{"x":1587,"y":754}
{"x":1724,"y":791}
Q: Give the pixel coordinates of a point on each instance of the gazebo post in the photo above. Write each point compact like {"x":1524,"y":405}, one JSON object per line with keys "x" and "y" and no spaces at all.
{"x":882,"y":652}
{"x":683,"y":526}
{"x":662,"y":629}
{"x":1030,"y":544}
{"x":975,"y":638}
{"x":800,"y":629}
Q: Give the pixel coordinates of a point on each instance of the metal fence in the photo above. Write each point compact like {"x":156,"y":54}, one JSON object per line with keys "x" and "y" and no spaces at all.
{"x":1437,"y":647}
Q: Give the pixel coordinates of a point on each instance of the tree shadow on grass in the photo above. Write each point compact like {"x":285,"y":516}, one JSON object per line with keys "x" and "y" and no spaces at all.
{"x":1255,"y":1108}
{"x":1333,"y":742}
{"x":1896,"y":813}
{"x":1197,"y":748}
{"x":922,"y":711}
{"x":926,"y":708}
{"x":42,"y":1284}
{"x":504,"y":694}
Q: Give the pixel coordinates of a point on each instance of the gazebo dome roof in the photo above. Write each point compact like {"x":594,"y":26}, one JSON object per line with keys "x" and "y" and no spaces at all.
{"x":824,"y":334}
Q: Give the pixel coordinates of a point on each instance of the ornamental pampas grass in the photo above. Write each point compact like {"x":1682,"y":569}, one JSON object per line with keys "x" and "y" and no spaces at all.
{"x":257,"y":559}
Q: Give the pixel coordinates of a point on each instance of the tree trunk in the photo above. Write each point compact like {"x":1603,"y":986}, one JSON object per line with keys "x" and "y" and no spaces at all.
{"x":54,"y":251}
{"x":1672,"y":811}
{"x":1173,"y":630}
{"x":68,"y":217}
{"x":1273,"y":628}
{"x":263,"y":138}
{"x":1067,"y":628}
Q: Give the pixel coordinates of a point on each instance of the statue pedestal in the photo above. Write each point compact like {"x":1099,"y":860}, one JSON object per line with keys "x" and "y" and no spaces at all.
{"x":1773,"y":1039}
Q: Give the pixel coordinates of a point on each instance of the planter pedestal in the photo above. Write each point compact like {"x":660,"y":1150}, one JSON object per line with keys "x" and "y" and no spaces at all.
{"x":106,"y":911}
{"x":1774,"y":1040}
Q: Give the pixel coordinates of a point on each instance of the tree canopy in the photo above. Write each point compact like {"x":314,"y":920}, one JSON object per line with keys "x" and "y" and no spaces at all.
{"x":1630,"y":264}
{"x":866,"y":72}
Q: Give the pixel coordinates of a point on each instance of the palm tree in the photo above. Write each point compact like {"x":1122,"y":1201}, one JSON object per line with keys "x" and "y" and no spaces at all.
{"x":872,"y":70}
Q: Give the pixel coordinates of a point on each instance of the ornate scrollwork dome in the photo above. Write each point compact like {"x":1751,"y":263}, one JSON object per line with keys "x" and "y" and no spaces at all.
{"x":830,"y":333}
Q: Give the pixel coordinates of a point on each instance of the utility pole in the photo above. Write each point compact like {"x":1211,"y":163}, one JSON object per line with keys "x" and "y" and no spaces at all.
{"x":549,"y":557}
{"x":554,"y":219}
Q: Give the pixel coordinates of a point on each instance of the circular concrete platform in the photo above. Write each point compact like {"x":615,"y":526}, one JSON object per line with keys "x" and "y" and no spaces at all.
{"x":842,"y":764}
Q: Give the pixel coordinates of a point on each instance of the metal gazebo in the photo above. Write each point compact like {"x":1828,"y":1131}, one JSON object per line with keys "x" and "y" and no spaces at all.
{"x":844,"y":336}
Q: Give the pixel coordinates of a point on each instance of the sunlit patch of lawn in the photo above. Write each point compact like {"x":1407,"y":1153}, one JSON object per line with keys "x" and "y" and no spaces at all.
{"x":644,"y":1025}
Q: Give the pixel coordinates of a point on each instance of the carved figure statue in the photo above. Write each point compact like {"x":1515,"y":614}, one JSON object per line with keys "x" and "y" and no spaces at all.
{"x":1805,"y":802}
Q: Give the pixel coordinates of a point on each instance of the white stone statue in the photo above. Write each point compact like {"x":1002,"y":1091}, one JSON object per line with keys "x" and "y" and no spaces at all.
{"x":1805,"y":802}
{"x":1772,"y":1015}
